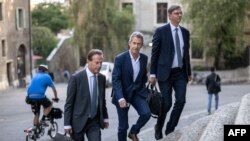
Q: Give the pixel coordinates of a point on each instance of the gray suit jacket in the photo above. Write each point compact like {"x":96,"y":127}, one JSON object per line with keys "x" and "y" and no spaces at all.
{"x":77,"y":105}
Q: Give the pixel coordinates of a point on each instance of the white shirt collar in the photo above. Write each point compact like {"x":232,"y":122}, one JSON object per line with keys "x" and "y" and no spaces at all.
{"x":133,"y":57}
{"x":174,"y":27}
{"x":89,"y":73}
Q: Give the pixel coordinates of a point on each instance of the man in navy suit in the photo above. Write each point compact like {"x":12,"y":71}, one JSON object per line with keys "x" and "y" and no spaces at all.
{"x":170,"y":66}
{"x":128,"y":78}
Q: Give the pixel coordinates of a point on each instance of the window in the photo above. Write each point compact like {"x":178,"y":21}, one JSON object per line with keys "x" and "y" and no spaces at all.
{"x":1,"y":11}
{"x":3,"y":48}
{"x":162,"y":9}
{"x":20,"y":18}
{"x":127,"y":6}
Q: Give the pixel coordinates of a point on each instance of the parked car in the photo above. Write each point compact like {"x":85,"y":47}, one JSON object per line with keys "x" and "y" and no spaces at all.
{"x":106,"y":69}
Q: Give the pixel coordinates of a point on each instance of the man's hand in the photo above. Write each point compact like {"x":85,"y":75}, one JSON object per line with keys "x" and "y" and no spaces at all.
{"x":68,"y":131}
{"x":123,"y":103}
{"x":106,"y":124}
{"x":152,"y":80}
{"x":189,"y":78}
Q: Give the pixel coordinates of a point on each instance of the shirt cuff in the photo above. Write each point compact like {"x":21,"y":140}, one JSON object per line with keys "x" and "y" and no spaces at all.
{"x":67,"y":127}
{"x":121,"y":100}
{"x":152,"y":75}
{"x":106,"y":120}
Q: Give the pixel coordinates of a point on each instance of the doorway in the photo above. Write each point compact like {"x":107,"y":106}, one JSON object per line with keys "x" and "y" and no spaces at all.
{"x":9,"y":74}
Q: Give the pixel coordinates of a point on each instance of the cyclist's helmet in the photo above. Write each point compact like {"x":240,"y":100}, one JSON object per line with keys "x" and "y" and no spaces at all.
{"x":43,"y":68}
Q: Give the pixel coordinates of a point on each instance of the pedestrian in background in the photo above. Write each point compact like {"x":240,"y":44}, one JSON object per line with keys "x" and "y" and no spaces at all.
{"x":128,"y":78}
{"x":213,"y":88}
{"x":66,"y":75}
{"x":170,"y":66}
{"x":85,"y":111}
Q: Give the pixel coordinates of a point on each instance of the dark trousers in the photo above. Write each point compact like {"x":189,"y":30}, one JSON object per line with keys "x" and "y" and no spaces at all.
{"x":141,"y":106}
{"x":91,"y":129}
{"x":177,"y":81}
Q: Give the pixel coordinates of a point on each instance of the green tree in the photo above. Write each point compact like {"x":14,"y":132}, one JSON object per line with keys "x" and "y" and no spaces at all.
{"x":100,"y":24}
{"x":43,"y":41}
{"x":218,"y":25}
{"x":51,"y":15}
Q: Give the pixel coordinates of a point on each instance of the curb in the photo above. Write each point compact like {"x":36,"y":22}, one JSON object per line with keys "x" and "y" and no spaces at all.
{"x":243,"y":115}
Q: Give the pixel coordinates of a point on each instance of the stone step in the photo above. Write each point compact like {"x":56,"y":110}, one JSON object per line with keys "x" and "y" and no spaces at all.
{"x":195,"y":130}
{"x":210,"y":128}
{"x":243,"y":115}
{"x":214,"y":129}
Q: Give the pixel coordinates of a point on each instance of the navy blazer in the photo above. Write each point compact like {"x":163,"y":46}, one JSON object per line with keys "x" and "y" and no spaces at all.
{"x":163,"y":52}
{"x":122,"y":78}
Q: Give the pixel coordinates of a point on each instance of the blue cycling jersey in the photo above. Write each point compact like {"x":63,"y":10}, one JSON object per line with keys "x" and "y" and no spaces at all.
{"x":38,"y":85}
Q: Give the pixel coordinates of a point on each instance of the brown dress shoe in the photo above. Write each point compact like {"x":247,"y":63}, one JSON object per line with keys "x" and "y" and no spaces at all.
{"x":133,"y":137}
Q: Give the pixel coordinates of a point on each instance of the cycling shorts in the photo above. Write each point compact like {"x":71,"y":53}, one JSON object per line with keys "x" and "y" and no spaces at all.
{"x":36,"y":104}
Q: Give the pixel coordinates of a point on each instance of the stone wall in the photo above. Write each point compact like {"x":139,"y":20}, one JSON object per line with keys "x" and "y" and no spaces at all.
{"x":64,"y":57}
{"x":227,"y":76}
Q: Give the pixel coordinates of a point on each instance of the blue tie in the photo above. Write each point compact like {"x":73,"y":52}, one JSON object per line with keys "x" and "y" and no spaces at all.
{"x":94,"y":97}
{"x":178,"y":48}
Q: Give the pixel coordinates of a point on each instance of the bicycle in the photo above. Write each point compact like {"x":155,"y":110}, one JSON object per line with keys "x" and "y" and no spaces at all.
{"x":39,"y":130}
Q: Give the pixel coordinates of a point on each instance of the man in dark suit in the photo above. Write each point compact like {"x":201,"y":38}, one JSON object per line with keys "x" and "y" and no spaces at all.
{"x":128,"y":78}
{"x":85,"y":108}
{"x":170,"y":66}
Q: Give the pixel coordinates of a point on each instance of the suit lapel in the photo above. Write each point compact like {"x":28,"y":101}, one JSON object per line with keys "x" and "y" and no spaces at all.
{"x":129,"y":65}
{"x":85,"y":79}
{"x":170,"y":39}
{"x":142,"y":62}
{"x":99,"y":87}
{"x":184,"y":37}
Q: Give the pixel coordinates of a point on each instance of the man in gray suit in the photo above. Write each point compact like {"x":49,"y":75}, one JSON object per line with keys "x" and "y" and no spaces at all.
{"x":85,"y":108}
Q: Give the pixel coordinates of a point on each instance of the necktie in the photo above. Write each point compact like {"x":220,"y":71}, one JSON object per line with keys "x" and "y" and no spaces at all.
{"x":178,"y":48}
{"x":94,"y":97}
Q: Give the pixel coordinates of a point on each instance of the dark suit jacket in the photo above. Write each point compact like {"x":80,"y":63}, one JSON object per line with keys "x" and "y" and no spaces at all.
{"x":77,"y":106}
{"x":122,"y":77}
{"x":210,"y":83}
{"x":163,"y":52}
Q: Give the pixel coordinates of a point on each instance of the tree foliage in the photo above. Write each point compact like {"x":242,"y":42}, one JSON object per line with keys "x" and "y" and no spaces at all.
{"x":43,"y":41}
{"x":218,"y":26}
{"x":51,"y":15}
{"x":100,"y":24}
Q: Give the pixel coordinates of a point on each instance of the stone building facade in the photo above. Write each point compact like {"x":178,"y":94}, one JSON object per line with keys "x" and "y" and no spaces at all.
{"x":14,"y":43}
{"x":150,"y":14}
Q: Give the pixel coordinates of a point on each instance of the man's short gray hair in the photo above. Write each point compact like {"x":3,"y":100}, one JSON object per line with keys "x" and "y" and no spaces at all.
{"x":136,"y":34}
{"x":173,"y":7}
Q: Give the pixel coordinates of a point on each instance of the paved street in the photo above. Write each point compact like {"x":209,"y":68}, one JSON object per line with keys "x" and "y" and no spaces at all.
{"x":16,"y":115}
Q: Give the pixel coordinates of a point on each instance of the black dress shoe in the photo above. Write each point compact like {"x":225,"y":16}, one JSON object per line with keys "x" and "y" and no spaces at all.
{"x":168,"y":132}
{"x":158,"y":133}
{"x":133,"y":137}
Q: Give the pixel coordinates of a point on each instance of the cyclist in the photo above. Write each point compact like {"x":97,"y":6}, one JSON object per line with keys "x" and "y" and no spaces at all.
{"x":36,"y":94}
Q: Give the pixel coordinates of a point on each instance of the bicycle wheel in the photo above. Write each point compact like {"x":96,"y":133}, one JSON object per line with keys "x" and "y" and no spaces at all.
{"x":53,"y":130}
{"x":28,"y":138}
